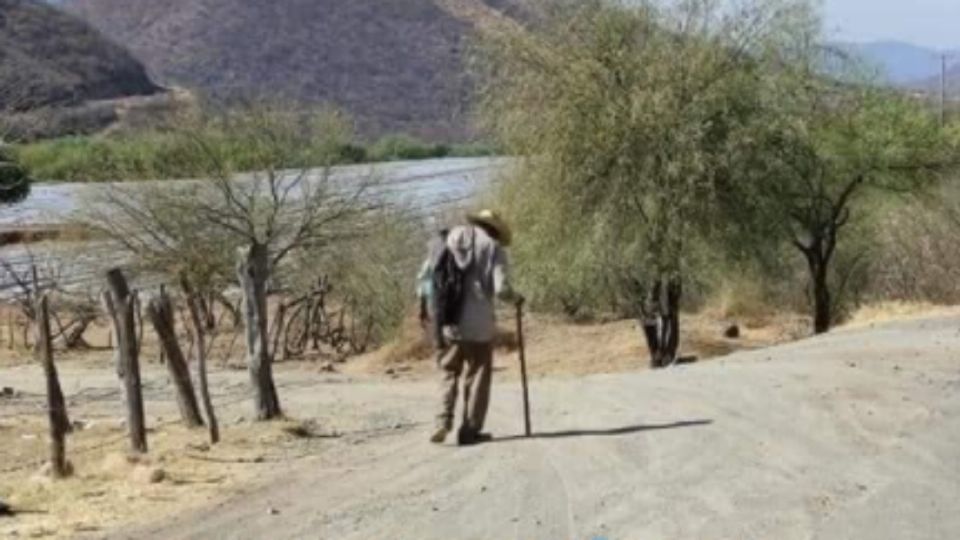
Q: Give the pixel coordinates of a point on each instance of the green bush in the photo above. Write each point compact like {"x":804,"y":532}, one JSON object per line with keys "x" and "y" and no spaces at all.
{"x":14,"y":184}
{"x":403,"y":147}
{"x":352,"y":153}
{"x":166,"y":154}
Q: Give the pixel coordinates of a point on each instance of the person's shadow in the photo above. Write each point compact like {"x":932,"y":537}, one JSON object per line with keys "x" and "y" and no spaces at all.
{"x":626,"y":430}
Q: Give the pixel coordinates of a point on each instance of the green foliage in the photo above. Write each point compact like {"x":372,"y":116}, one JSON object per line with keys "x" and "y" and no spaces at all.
{"x":352,"y":153}
{"x":82,"y":159}
{"x":165,"y":154}
{"x":632,"y":132}
{"x":14,"y":183}
{"x":830,"y":149}
{"x":403,"y":147}
{"x":691,"y":143}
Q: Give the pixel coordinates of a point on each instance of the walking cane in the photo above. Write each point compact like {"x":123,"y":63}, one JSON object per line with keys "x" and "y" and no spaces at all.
{"x":523,"y":370}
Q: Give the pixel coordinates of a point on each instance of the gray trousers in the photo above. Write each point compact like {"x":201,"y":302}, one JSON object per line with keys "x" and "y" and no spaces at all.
{"x":478,"y":360}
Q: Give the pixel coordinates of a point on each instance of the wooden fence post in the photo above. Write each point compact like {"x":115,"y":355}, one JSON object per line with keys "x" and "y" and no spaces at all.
{"x":56,"y":408}
{"x":161,"y":316}
{"x":124,"y":303}
{"x":199,"y":338}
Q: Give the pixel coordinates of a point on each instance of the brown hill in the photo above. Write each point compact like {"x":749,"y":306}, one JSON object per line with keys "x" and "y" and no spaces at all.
{"x":395,"y":65}
{"x":48,"y":57}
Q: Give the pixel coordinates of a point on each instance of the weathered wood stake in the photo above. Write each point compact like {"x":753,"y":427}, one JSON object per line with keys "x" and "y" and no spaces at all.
{"x":56,"y":407}
{"x":124,"y":302}
{"x":161,"y":316}
{"x":200,"y":345}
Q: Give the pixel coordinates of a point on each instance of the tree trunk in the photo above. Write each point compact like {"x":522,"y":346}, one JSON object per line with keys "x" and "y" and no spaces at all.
{"x":201,"y":347}
{"x":56,"y":407}
{"x":822,"y":301}
{"x":207,"y":311}
{"x":661,"y":322}
{"x":278,"y":322}
{"x":671,"y":326}
{"x":73,"y":336}
{"x":309,"y":325}
{"x":160,"y":313}
{"x":253,"y":271}
{"x":11,"y":339}
{"x":124,"y":302}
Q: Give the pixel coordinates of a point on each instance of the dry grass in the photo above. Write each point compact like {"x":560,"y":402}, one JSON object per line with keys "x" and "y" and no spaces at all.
{"x":896,"y":310}
{"x":111,"y":488}
{"x":741,"y":300}
{"x":555,"y":346}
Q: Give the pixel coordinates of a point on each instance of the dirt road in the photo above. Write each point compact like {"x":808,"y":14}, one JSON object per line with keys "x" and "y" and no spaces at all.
{"x":854,"y":435}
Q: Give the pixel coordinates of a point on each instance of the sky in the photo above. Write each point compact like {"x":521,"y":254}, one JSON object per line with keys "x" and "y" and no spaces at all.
{"x":928,"y":23}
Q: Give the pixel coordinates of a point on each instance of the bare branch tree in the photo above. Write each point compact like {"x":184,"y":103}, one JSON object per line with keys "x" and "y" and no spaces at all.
{"x":26,"y":277}
{"x":239,"y":227}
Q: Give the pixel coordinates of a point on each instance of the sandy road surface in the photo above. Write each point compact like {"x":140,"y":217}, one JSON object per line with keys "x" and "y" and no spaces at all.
{"x":855,"y":435}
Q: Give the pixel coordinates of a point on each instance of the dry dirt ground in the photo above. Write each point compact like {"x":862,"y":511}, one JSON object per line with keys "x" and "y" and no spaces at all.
{"x":851,"y":435}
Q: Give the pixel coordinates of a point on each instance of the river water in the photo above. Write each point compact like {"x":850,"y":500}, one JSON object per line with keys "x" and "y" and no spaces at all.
{"x":425,"y":184}
{"x":429,"y":187}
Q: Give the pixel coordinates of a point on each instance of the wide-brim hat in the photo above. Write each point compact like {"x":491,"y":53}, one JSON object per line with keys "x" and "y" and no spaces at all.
{"x":492,"y":219}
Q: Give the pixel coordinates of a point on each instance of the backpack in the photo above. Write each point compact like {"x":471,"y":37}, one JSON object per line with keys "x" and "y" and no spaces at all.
{"x":449,"y":292}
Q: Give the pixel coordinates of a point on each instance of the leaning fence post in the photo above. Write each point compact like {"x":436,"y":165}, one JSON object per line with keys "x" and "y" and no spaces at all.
{"x":56,"y":408}
{"x":160,"y":313}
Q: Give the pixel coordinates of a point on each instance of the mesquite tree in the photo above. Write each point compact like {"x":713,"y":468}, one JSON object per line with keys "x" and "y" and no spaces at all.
{"x":632,"y":118}
{"x":830,"y":145}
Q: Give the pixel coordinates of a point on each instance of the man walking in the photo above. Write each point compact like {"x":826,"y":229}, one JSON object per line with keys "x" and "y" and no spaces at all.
{"x":478,"y":251}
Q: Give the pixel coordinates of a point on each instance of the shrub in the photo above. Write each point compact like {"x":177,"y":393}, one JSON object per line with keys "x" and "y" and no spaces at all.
{"x":14,"y":183}
{"x":372,"y":275}
{"x":158,"y":154}
{"x":403,"y":147}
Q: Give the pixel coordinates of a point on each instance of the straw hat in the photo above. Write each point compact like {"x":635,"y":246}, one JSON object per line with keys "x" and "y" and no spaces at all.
{"x":492,"y":219}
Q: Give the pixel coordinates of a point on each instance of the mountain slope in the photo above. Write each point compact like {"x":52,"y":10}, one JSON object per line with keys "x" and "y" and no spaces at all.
{"x":932,"y":84}
{"x":900,"y":63}
{"x":48,"y":57}
{"x":395,"y":66}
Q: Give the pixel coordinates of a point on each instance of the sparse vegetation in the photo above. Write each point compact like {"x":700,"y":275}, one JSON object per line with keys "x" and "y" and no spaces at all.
{"x":670,"y":156}
{"x":664,"y":146}
{"x":320,"y":260}
{"x":394,"y":67}
{"x":53,"y":58}
{"x":157,"y":154}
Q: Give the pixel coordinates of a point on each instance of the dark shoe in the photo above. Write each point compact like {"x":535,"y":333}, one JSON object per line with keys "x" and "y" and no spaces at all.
{"x":468,"y":438}
{"x":439,"y":435}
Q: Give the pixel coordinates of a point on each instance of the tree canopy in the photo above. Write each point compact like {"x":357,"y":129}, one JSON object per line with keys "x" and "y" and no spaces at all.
{"x":657,"y":140}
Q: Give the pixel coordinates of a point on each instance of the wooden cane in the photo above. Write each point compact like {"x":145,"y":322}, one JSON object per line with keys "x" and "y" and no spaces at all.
{"x":523,"y":370}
